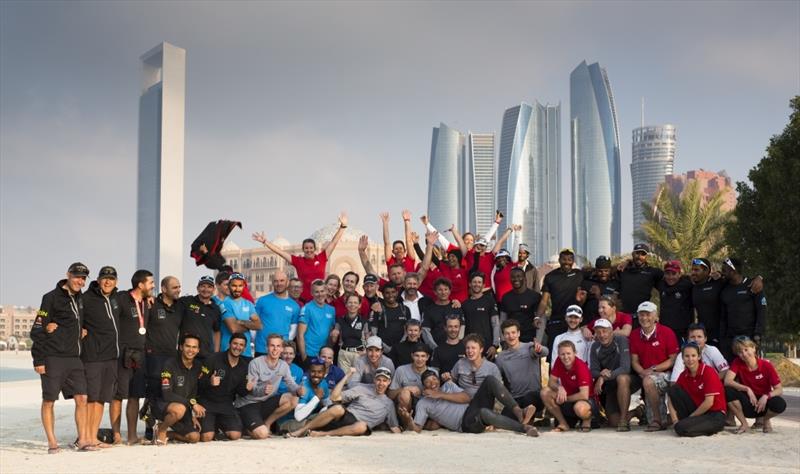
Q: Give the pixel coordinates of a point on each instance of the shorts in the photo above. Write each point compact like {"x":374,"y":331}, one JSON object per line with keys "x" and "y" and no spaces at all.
{"x":226,"y":422}
{"x":530,"y":398}
{"x":130,"y":382}
{"x":346,"y":420}
{"x":184,"y":426}
{"x":101,"y":380}
{"x":568,"y":411}
{"x":609,"y":396}
{"x":63,"y":375}
{"x":254,"y":414}
{"x":661,"y":379}
{"x":775,"y":404}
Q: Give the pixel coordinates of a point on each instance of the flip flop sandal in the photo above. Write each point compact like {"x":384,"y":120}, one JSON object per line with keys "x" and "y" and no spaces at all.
{"x":55,"y":450}
{"x":623,"y":427}
{"x":653,"y":427}
{"x":585,"y":429}
{"x":559,"y":429}
{"x":88,"y":447}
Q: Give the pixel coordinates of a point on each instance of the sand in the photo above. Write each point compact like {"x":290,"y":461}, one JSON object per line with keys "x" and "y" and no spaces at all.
{"x":23,"y":448}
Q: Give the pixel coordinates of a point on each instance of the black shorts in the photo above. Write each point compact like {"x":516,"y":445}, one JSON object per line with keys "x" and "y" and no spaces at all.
{"x":775,"y":404}
{"x":346,"y":420}
{"x":101,"y":380}
{"x":63,"y":375}
{"x":184,"y":426}
{"x":530,"y":398}
{"x":130,"y":382}
{"x":608,"y":398}
{"x":254,"y":414}
{"x":568,"y":410}
{"x":226,"y":422}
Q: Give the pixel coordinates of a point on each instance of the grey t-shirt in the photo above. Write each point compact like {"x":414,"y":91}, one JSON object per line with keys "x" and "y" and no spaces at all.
{"x":462,"y":374}
{"x":365,"y":372}
{"x":262,"y":374}
{"x":615,"y":357}
{"x":367,"y":406}
{"x":406,"y":376}
{"x":446,"y":413}
{"x":521,"y":369}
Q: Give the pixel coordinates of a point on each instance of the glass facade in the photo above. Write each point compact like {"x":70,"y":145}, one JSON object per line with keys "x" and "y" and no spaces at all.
{"x":479,"y":182}
{"x":445,"y":188}
{"x":595,"y":160}
{"x":652,"y":158}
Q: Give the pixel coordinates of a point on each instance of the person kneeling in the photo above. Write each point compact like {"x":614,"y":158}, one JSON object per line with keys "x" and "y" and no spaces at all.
{"x":177,"y":408}
{"x":697,"y":401}
{"x":568,"y":395}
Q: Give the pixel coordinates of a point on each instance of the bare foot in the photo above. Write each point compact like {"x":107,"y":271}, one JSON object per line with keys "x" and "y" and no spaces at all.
{"x":317,"y":434}
{"x":117,"y":439}
{"x":159,"y":435}
{"x":560,"y":429}
{"x":767,"y":426}
{"x":489,"y":429}
{"x":530,"y":410}
{"x":531,"y":431}
{"x":742,"y":429}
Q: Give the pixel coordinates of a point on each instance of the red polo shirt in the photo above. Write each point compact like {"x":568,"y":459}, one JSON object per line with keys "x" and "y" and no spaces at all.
{"x":573,"y":379}
{"x":408,"y":263}
{"x":485,"y":264}
{"x":308,"y":270}
{"x":761,"y":380}
{"x":341,"y":309}
{"x":458,"y":277}
{"x":655,"y":349}
{"x":426,"y":285}
{"x":621,"y":320}
{"x":706,"y":382}
{"x":502,"y":281}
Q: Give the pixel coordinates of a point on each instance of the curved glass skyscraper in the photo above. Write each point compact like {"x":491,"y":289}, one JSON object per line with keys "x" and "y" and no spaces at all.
{"x":445,"y":191}
{"x":652,"y":158}
{"x":596,"y":177}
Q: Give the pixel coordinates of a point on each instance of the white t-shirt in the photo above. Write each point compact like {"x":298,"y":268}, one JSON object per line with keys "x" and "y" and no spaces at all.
{"x":582,"y":346}
{"x":711,"y":356}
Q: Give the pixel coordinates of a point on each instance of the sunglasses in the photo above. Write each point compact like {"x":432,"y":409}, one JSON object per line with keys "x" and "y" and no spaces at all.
{"x":730,"y":264}
{"x":698,"y":261}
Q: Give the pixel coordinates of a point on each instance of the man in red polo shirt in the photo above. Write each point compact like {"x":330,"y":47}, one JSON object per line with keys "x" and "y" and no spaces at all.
{"x":397,"y":251}
{"x":569,"y":395}
{"x":311,"y":266}
{"x":653,"y":351}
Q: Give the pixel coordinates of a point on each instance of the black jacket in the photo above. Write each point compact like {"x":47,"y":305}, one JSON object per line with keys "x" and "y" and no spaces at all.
{"x":129,"y":337}
{"x":101,"y":321}
{"x":66,"y":310}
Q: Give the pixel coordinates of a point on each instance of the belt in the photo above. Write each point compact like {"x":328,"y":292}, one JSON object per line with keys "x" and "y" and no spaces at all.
{"x":353,"y":349}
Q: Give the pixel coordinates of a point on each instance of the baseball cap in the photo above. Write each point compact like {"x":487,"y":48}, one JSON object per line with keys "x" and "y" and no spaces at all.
{"x":370,"y":278}
{"x":374,"y":341}
{"x":702,"y":262}
{"x":602,"y":323}
{"x":236,"y":276}
{"x":648,"y":306}
{"x":481,"y":241}
{"x":673,"y":266}
{"x":602,"y":262}
{"x":524,"y":248}
{"x":420,"y":347}
{"x":383,"y":372}
{"x":78,"y":269}
{"x":642,"y":248}
{"x":207,"y":279}
{"x":574,"y":309}
{"x":566,"y":250}
{"x":502,"y":253}
{"x":107,"y":272}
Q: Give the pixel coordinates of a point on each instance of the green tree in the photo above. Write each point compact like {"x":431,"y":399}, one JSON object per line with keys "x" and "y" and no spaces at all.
{"x":765,"y":232}
{"x":683,"y":226}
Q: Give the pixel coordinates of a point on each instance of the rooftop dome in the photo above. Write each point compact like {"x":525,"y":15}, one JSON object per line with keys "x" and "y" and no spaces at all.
{"x":281,"y":242}
{"x":325,"y":234}
{"x":230,"y":245}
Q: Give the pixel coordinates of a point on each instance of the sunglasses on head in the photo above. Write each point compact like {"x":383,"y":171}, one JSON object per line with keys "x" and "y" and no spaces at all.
{"x":699,"y":261}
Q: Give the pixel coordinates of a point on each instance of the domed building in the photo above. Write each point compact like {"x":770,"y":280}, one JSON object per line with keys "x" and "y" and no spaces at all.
{"x":258,"y":264}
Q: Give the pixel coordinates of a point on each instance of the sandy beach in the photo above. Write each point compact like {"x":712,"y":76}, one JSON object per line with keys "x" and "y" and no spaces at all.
{"x":23,"y":448}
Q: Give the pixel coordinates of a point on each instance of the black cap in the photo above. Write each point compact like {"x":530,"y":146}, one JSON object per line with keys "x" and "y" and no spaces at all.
{"x":206,"y":279}
{"x":642,"y":248}
{"x":107,"y":272}
{"x":78,"y":269}
{"x":420,"y":347}
{"x":602,"y":262}
{"x":370,"y":278}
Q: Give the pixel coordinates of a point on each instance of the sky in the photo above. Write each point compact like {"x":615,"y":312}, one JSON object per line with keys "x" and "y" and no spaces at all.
{"x":297,"y":111}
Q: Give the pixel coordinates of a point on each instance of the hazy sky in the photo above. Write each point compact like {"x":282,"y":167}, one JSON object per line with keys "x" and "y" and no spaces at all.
{"x":295,"y":111}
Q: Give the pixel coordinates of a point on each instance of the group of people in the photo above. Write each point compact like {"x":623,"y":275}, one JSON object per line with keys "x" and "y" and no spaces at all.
{"x":456,"y":329}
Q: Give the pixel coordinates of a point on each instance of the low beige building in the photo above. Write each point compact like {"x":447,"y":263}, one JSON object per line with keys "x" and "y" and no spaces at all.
{"x":258,"y":264}
{"x":16,"y":321}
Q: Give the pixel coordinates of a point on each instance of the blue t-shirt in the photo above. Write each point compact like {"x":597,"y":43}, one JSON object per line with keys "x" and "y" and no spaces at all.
{"x":335,"y":374}
{"x":277,"y":315}
{"x":297,"y":375}
{"x":240,"y":309}
{"x":319,"y":321}
{"x":326,"y":393}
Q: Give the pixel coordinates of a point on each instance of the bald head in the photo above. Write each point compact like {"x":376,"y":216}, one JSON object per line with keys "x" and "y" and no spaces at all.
{"x":280,"y":283}
{"x":170,"y":288}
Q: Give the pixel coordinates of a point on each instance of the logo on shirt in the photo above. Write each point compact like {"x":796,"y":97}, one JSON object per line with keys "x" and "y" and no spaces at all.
{"x":759,"y":376}
{"x":573,"y":377}
{"x":677,"y":294}
{"x":221,"y":373}
{"x":700,"y":387}
{"x":161,"y":314}
{"x":316,"y":262}
{"x":288,"y":309}
{"x":180,"y":380}
{"x":134,"y":312}
{"x":656,"y":343}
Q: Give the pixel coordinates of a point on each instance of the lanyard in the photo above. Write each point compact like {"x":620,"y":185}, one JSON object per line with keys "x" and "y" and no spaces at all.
{"x":139,"y":313}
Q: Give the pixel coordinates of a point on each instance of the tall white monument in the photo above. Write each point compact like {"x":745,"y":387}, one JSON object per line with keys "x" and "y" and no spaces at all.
{"x":159,"y":223}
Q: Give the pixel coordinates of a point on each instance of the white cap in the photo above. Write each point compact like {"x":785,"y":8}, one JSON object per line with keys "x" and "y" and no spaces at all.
{"x":374,"y":341}
{"x":648,"y":306}
{"x":574,"y":309}
{"x":482,"y":241}
{"x":603,"y":323}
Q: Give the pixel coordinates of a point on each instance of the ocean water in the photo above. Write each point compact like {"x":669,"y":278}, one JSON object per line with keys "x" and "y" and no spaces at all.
{"x":15,"y":375}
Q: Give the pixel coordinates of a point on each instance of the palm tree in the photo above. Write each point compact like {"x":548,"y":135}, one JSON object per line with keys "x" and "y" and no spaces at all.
{"x":683,"y":227}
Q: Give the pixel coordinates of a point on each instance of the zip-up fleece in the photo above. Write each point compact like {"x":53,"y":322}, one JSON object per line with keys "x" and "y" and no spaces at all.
{"x":101,"y":321}
{"x":66,"y":310}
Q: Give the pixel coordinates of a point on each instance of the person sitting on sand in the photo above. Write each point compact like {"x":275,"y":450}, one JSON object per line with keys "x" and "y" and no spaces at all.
{"x":697,"y":400}
{"x":177,"y":408}
{"x":367,"y":406}
{"x":451,"y":407}
{"x":569,"y":392}
{"x":752,"y":387}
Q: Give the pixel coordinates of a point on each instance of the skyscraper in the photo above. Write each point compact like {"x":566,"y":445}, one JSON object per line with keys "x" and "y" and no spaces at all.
{"x":479,"y":182}
{"x":652,"y":158}
{"x":159,"y":244}
{"x":595,"y":156}
{"x":445,"y":178}
{"x":528,"y":177}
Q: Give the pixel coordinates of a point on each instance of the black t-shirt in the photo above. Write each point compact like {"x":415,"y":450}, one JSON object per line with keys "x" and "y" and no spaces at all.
{"x":522,"y":307}
{"x":233,"y":381}
{"x":636,"y":285}
{"x":435,"y":318}
{"x":743,"y":313}
{"x":706,"y":302}
{"x":478,"y":315}
{"x":164,"y":327}
{"x":351,"y":332}
{"x":562,"y":286}
{"x":129,"y":323}
{"x":202,"y":320}
{"x":607,"y":288}
{"x":401,"y":353}
{"x":445,"y":356}
{"x":391,"y":323}
{"x":676,"y":305}
{"x":178,"y":382}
